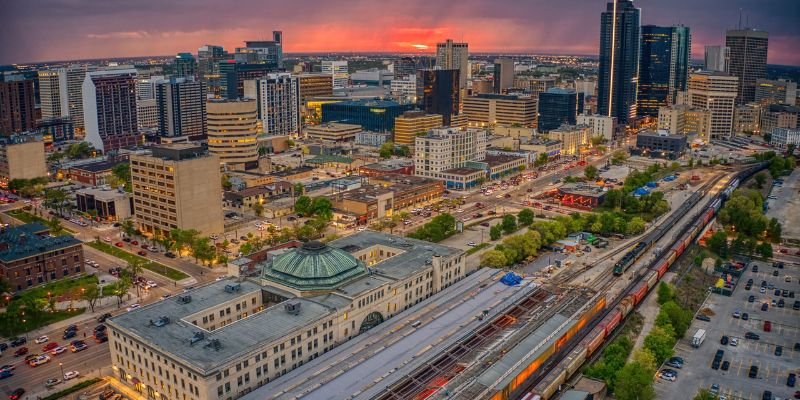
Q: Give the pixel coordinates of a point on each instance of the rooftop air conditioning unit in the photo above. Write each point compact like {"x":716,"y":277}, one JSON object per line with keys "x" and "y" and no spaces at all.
{"x":292,"y":308}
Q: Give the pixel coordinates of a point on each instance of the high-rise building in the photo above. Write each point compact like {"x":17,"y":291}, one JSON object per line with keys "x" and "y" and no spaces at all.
{"x":716,"y":93}
{"x":109,"y":109}
{"x":748,"y":60}
{"x":438,"y":92}
{"x":337,"y":70}
{"x":536,"y":85}
{"x":233,"y":74}
{"x":269,"y":52}
{"x":181,"y":107}
{"x":599,"y":125}
{"x":717,"y":58}
{"x":489,"y":110}
{"x":413,"y":123}
{"x":53,"y":93}
{"x":572,"y":138}
{"x":405,"y":66}
{"x":177,"y":185}
{"x":17,"y":104}
{"x":232,"y":132}
{"x":75,"y":77}
{"x":279,"y":103}
{"x":619,"y":60}
{"x":444,"y":149}
{"x":21,"y":157}
{"x":208,"y":58}
{"x":685,"y":120}
{"x":314,"y":85}
{"x":147,"y":115}
{"x":405,"y":88}
{"x":558,"y":106}
{"x":451,"y":55}
{"x":747,"y":119}
{"x":184,"y":65}
{"x":779,"y":116}
{"x":372,"y":115}
{"x":779,"y":91}
{"x":503,"y":74}
{"x":663,"y":67}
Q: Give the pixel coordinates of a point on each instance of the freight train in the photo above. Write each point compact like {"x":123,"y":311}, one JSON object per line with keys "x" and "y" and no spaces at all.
{"x":643,"y":246}
{"x":635,"y":291}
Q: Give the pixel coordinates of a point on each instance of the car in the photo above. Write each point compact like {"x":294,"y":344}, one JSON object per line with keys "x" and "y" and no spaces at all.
{"x":702,"y":317}
{"x":78,"y":347}
{"x":103,"y":317}
{"x":101,"y":338}
{"x":126,"y":239}
{"x":99,"y":328}
{"x":141,"y":253}
{"x":133,"y":306}
{"x":724,"y":340}
{"x":734,"y":342}
{"x":775,"y":273}
{"x":675,"y":362}
{"x":71,"y":328}
{"x":170,"y":254}
{"x":145,"y":246}
{"x":777,"y":292}
{"x":796,"y":305}
{"x":763,"y":283}
{"x":764,"y":307}
{"x":667,"y":376}
{"x":791,"y":379}
{"x":58,"y":350}
{"x":51,"y":382}
{"x":42,"y":359}
{"x":745,"y":316}
{"x":71,"y":375}
{"x":751,"y":336}
{"x":725,"y":365}
{"x":714,"y":389}
{"x":471,"y":244}
{"x":755,"y":268}
{"x":16,"y":394}
{"x":21,"y":351}
{"x":737,"y":314}
{"x":781,"y":303}
{"x":31,"y":357}
{"x":41,"y":339}
{"x":762,"y":290}
{"x":767,"y":326}
{"x":49,"y":346}
{"x":486,"y":224}
{"x":135,"y":242}
{"x":715,"y":364}
{"x":753,"y":372}
{"x":778,"y":351}
{"x":107,"y":239}
{"x":785,"y":293}
{"x":787,"y":279}
{"x":7,"y":367}
{"x":751,"y":299}
{"x":151,"y":284}
{"x":18,"y":341}
{"x":362,"y":228}
{"x":770,"y":286}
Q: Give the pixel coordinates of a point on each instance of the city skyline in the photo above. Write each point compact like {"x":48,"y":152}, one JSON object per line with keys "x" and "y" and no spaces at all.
{"x":84,"y":29}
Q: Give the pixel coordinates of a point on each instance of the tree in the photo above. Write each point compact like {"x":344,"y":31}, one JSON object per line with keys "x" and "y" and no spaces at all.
{"x":619,"y":157}
{"x":635,"y":226}
{"x":298,"y":189}
{"x":774,"y":230}
{"x":127,"y":227}
{"x":704,"y":394}
{"x":55,"y":158}
{"x":495,"y":232}
{"x":91,"y":294}
{"x":680,"y":318}
{"x":590,"y":172}
{"x":303,"y":206}
{"x":386,"y":150}
{"x":202,"y":250}
{"x":493,"y":259}
{"x":122,"y":172}
{"x":597,"y":140}
{"x":635,"y":382}
{"x":645,"y":358}
{"x":541,"y":160}
{"x":321,"y":206}
{"x":790,"y":149}
{"x":718,"y":243}
{"x":54,"y":225}
{"x":764,"y":249}
{"x":122,"y":286}
{"x":258,"y":208}
{"x":660,"y":342}
{"x":665,"y":293}
{"x":523,"y":246}
{"x":509,"y":224}
{"x":525,"y":217}
{"x":402,"y":151}
{"x":56,"y":199}
{"x":760,"y":179}
{"x":80,"y":150}
{"x":226,"y":182}
{"x":135,"y":268}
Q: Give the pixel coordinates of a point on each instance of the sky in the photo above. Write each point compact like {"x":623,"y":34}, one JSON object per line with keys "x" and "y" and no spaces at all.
{"x":48,"y":30}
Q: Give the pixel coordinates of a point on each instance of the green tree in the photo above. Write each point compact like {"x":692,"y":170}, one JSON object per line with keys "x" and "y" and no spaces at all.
{"x":645,"y":358}
{"x":619,"y":157}
{"x":303,"y":206}
{"x":790,"y":149}
{"x":54,"y":225}
{"x":298,"y":189}
{"x":127,"y":227}
{"x":258,"y":208}
{"x":134,"y":269}
{"x":493,"y":259}
{"x":226,"y":182}
{"x":402,"y":151}
{"x":665,"y":293}
{"x":635,"y":382}
{"x":121,"y":287}
{"x":635,"y":226}
{"x":590,"y":172}
{"x":509,"y":224}
{"x":774,"y":230}
{"x":525,"y":217}
{"x":541,"y":159}
{"x":122,"y":172}
{"x":523,"y":246}
{"x":56,"y":199}
{"x":764,"y":249}
{"x":597,"y":140}
{"x":660,"y":341}
{"x":760,"y":178}
{"x":56,"y":158}
{"x":386,"y":150}
{"x":704,"y":394}
{"x":321,"y":206}
{"x":202,"y":250}
{"x":80,"y":150}
{"x":718,"y":243}
{"x":680,"y":318}
{"x":496,"y":232}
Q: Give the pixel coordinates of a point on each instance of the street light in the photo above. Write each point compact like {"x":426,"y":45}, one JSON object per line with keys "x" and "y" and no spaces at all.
{"x":61,"y":365}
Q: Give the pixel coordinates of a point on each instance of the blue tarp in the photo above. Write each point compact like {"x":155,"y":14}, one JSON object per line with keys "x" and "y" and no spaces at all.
{"x":642,"y":191}
{"x":652,"y":184}
{"x":511,"y":279}
{"x":669,"y":178}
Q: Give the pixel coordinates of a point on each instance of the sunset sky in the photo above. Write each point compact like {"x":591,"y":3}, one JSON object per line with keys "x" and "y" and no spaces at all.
{"x":42,"y":30}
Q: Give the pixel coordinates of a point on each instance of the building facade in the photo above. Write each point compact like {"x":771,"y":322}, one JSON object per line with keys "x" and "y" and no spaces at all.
{"x":453,"y":55}
{"x":683,"y":119}
{"x":490,"y":110}
{"x":412,"y":123}
{"x":109,"y":109}
{"x":599,"y":125}
{"x":373,"y":115}
{"x":776,"y":92}
{"x":177,"y":186}
{"x":618,"y":74}
{"x":748,"y":60}
{"x":147,"y":115}
{"x":21,"y":157}
{"x":181,"y":107}
{"x":572,"y":137}
{"x":782,"y":137}
{"x":338,"y":72}
{"x":372,"y":139}
{"x":108,"y":204}
{"x":503,"y":75}
{"x":29,"y":256}
{"x":17,"y":104}
{"x":232,"y":132}
{"x":267,"y":52}
{"x":53,"y":93}
{"x":558,"y":106}
{"x":747,"y":119}
{"x":452,"y":155}
{"x":279,"y":104}
{"x":714,"y":92}
{"x":332,"y":132}
{"x":663,"y":67}
{"x":234,"y":74}
{"x":91,"y":174}
{"x":660,"y":145}
{"x":438,"y":92}
{"x":208,"y":59}
{"x":717,"y":58}
{"x":779,"y":116}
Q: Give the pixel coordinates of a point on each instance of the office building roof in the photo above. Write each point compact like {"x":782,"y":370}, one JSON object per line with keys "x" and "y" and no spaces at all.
{"x":22,"y":241}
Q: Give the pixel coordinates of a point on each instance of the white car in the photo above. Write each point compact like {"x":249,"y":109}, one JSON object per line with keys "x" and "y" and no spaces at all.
{"x":41,"y":339}
{"x":734,"y":342}
{"x":471,"y":244}
{"x":43,"y":359}
{"x":107,"y":239}
{"x":133,"y":306}
{"x":71,"y":375}
{"x":362,"y":228}
{"x":58,"y":350}
{"x":151,"y":284}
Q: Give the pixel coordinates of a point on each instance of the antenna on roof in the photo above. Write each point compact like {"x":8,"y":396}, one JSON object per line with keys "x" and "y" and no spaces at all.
{"x":740,"y":18}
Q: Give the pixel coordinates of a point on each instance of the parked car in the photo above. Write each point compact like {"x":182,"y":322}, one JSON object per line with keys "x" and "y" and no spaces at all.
{"x":71,"y":375}
{"x":133,"y":307}
{"x":58,"y":350}
{"x":753,"y":372}
{"x":724,"y":340}
{"x":675,"y":362}
{"x":141,"y":253}
{"x":751,"y":336}
{"x":170,"y":254}
{"x":103,"y":317}
{"x":41,"y":339}
{"x":18,"y":341}
{"x":21,"y":351}
{"x":16,"y":394}
{"x":51,"y":382}
{"x":725,"y":365}
{"x":702,"y":317}
{"x":778,"y":351}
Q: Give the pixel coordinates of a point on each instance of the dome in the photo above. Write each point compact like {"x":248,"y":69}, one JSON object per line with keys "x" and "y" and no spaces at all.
{"x":314,"y":265}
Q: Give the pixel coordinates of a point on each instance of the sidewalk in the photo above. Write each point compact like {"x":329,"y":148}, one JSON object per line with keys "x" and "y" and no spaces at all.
{"x":649,"y":310}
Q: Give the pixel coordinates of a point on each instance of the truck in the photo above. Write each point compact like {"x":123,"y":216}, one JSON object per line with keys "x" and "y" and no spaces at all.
{"x":698,"y":337}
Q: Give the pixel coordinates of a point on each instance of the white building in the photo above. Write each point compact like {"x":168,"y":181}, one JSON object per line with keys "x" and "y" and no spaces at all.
{"x":717,"y":58}
{"x":147,"y":113}
{"x":782,"y":137}
{"x":682,"y":119}
{"x":374,"y":139}
{"x":146,"y":87}
{"x":337,"y":69}
{"x":599,"y":125}
{"x":405,"y":88}
{"x":450,"y":155}
{"x":278,"y":103}
{"x":716,"y":93}
{"x":572,"y":138}
{"x":452,"y":55}
{"x":53,"y":93}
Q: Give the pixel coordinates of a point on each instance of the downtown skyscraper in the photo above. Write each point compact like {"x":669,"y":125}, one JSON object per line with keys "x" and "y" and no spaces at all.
{"x":663,"y":67}
{"x":620,"y":27}
{"x":452,"y":55}
{"x":748,"y":60}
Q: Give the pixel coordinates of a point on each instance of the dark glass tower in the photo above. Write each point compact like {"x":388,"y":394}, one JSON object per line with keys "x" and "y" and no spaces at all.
{"x":748,"y":60}
{"x":663,"y":67}
{"x":558,"y":106}
{"x":619,"y":60}
{"x":438,"y":92}
{"x":185,"y":65}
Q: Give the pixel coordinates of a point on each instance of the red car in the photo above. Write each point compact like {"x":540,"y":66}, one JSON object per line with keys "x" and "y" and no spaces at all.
{"x":21,"y":351}
{"x":133,"y":242}
{"x":784,"y":251}
{"x":118,"y":244}
{"x":141,"y":253}
{"x":49,"y":346}
{"x":16,"y":394}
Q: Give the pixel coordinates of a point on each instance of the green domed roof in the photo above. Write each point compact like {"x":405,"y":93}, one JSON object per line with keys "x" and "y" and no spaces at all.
{"x":313,"y":266}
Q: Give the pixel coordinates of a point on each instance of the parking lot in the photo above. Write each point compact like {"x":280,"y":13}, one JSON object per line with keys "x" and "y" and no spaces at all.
{"x":784,"y":333}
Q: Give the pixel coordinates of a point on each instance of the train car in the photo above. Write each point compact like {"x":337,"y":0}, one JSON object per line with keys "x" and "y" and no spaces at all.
{"x":639,"y":291}
{"x":550,"y":384}
{"x":611,"y":321}
{"x":651,"y":279}
{"x":530,"y":396}
{"x":576,"y":359}
{"x":662,"y":268}
{"x":594,"y":339}
{"x":626,"y":305}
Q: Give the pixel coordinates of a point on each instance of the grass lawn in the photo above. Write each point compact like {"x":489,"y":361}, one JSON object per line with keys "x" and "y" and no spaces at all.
{"x":46,"y":318}
{"x":72,"y":389}
{"x":477,"y":248}
{"x":158,"y":268}
{"x":58,"y":288}
{"x":27,"y":218}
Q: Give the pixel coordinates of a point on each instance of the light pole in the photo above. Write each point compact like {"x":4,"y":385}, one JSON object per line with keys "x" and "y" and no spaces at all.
{"x":61,"y":365}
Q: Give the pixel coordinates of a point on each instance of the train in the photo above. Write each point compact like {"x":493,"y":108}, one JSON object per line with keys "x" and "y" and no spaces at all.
{"x":643,"y":246}
{"x":634,"y":293}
